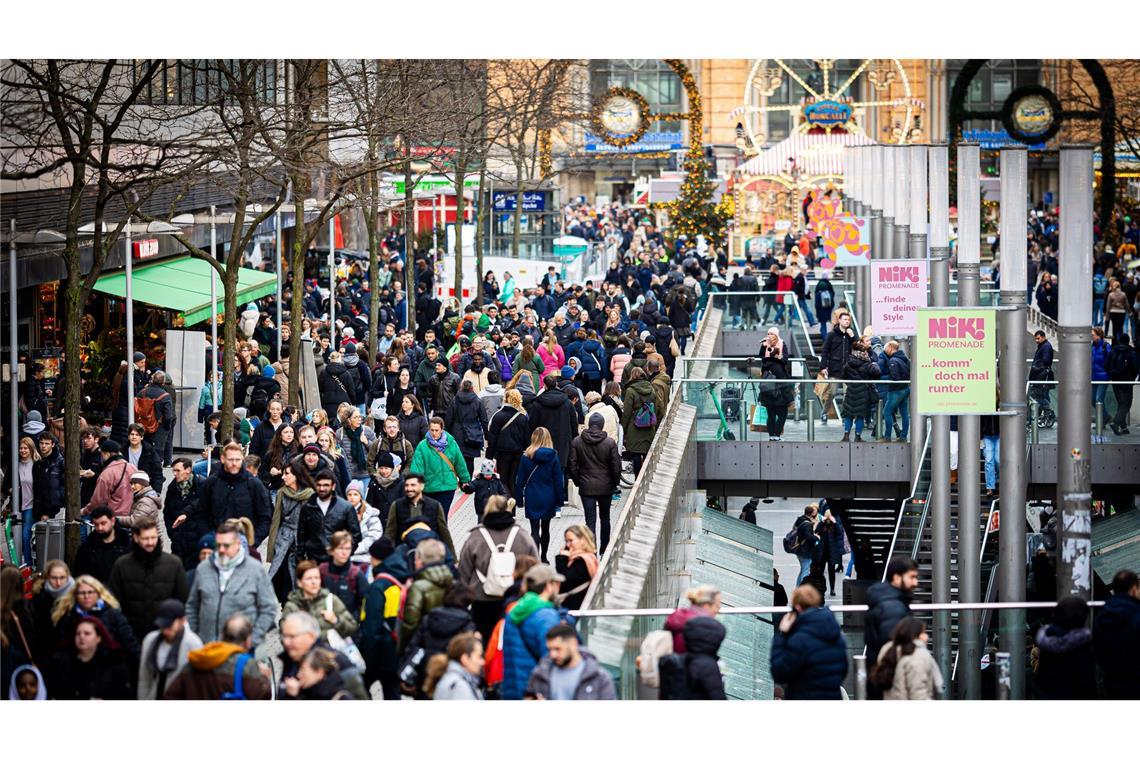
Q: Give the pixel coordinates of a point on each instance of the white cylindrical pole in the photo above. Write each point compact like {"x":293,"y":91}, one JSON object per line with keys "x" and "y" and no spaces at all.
{"x":130,"y":333}
{"x":939,"y":166}
{"x":214,"y":309}
{"x":889,"y":169}
{"x":902,"y":191}
{"x":916,"y":198}
{"x":876,"y":178}
{"x":969,"y":205}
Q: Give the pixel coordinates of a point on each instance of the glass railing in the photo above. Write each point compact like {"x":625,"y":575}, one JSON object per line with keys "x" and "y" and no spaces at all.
{"x":736,"y":409}
{"x":761,"y":310}
{"x":1111,"y":413}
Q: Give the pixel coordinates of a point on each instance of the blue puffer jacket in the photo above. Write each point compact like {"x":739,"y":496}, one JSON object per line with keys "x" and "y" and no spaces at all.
{"x":539,"y":482}
{"x":1099,"y":360}
{"x":524,"y":641}
{"x":593,"y":357}
{"x":812,"y":659}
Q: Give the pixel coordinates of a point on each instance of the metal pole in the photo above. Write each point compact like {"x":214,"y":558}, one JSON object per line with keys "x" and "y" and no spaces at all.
{"x":860,"y":661}
{"x":130,"y":333}
{"x":277,"y":269}
{"x":969,"y":435}
{"x":14,"y":374}
{"x":1012,"y":330}
{"x":1074,"y":442}
{"x":214,"y":308}
{"x":810,"y":414}
{"x":332,"y":284}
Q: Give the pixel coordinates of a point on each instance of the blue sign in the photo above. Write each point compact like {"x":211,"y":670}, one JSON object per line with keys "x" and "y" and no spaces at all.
{"x":531,"y":201}
{"x":827,"y":113}
{"x":992,"y":139}
{"x":650,"y":142}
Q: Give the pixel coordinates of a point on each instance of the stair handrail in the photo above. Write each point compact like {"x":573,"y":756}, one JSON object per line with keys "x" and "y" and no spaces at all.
{"x":902,"y":508}
{"x":989,"y":581}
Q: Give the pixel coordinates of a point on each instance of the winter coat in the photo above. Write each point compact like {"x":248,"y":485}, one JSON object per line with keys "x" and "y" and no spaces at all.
{"x":1120,"y":365}
{"x":593,"y":684}
{"x":284,"y":544}
{"x":612,"y":417}
{"x":1100,"y":353}
{"x":225,"y":496}
{"x":807,"y":542}
{"x":917,"y":675}
{"x":836,"y":349}
{"x":346,"y":624}
{"x":422,"y":378}
{"x":105,"y":677}
{"x":356,"y":470}
{"x":441,"y":391}
{"x":96,"y":558}
{"x":887,"y":606}
{"x":210,"y":673}
{"x":248,"y":591}
{"x":438,"y":474}
{"x":898,"y":368}
{"x":539,"y":484}
{"x":831,"y":541}
{"x":400,"y":446}
{"x":554,"y":411}
{"x":703,"y":635}
{"x":524,"y":641}
{"x":147,"y":506}
{"x":150,"y":462}
{"x":491,"y":398}
{"x":404,"y":515}
{"x":340,"y":516}
{"x":618,"y":359}
{"x":593,"y":357}
{"x":476,"y":554}
{"x":425,"y":594}
{"x":638,"y":440}
{"x":480,"y":379}
{"x":336,"y":386}
{"x":1116,"y":629}
{"x":112,"y":619}
{"x":551,"y":361}
{"x":141,"y":581}
{"x":811,"y":660}
{"x":371,"y":528}
{"x":676,"y":623}
{"x":662,"y":384}
{"x":435,"y":631}
{"x":48,"y":485}
{"x":150,"y":668}
{"x":466,"y":420}
{"x":516,"y":436}
{"x":382,"y":493}
{"x":113,"y":488}
{"x":184,"y":538}
{"x":456,"y":683}
{"x":859,"y":398}
{"x":595,"y":463}
{"x":414,"y":426}
{"x":484,"y":488}
{"x":1066,"y":668}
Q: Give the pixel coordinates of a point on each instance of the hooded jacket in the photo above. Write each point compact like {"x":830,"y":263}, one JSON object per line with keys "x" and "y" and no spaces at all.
{"x":1066,"y":669}
{"x":593,"y":684}
{"x":336,"y":386}
{"x":248,"y":591}
{"x":539,"y":484}
{"x":593,"y":357}
{"x":554,"y":411}
{"x":426,"y":593}
{"x":595,"y":463}
{"x":466,"y":420}
{"x":638,"y":440}
{"x":524,"y":641}
{"x":887,"y":606}
{"x":377,"y":637}
{"x":210,"y":674}
{"x":811,"y":660}
{"x":146,"y":506}
{"x":143,"y":580}
{"x":703,"y":636}
{"x":475,"y":557}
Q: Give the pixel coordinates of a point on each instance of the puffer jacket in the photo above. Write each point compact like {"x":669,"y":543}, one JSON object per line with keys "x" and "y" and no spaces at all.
{"x":48,"y":486}
{"x":593,"y":684}
{"x":1100,"y":353}
{"x":859,"y":398}
{"x":514,"y":439}
{"x":381,"y":613}
{"x":414,"y":426}
{"x":466,"y":420}
{"x":371,"y":528}
{"x":426,"y":593}
{"x":1115,"y":633}
{"x":524,"y":641}
{"x":226,"y":496}
{"x":887,"y":606}
{"x":618,"y":359}
{"x":476,"y":554}
{"x":703,"y":636}
{"x":436,"y":630}
{"x":143,"y":580}
{"x":1066,"y":669}
{"x":916,"y":676}
{"x":356,"y":470}
{"x":638,"y":440}
{"x":345,"y":624}
{"x":595,"y":463}
{"x":593,"y":357}
{"x":336,"y":386}
{"x":539,"y":484}
{"x":612,"y":418}
{"x":438,"y":475}
{"x":147,"y":506}
{"x":554,"y":411}
{"x":677,"y":621}
{"x":811,"y":660}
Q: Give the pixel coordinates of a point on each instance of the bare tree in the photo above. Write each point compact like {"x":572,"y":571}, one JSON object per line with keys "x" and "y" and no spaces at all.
{"x":81,"y":124}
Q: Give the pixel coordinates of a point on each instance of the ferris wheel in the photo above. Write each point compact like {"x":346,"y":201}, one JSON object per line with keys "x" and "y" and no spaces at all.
{"x":823,"y":96}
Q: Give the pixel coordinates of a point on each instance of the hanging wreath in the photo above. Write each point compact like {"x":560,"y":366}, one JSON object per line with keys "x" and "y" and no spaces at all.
{"x":599,"y":108}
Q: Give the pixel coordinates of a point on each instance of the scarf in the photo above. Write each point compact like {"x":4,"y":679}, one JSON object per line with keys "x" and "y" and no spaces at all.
{"x":171,"y":664}
{"x":385,"y":482}
{"x":589,"y":558}
{"x":55,"y":593}
{"x":357,"y":451}
{"x":99,"y":607}
{"x":301,"y":495}
{"x":185,"y":486}
{"x":440,"y":444}
{"x":227,"y":566}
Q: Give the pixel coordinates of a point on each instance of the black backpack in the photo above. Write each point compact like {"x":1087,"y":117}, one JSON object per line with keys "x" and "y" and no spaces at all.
{"x":674,"y":677}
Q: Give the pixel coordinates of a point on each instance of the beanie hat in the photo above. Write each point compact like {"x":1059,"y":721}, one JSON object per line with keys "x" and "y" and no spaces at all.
{"x":355,"y":485}
{"x":311,"y":447}
{"x":487,"y":468}
{"x":268,"y":371}
{"x":138,"y":357}
{"x":385,"y":459}
{"x":567,"y":371}
{"x":381,"y":548}
{"x":109,"y":446}
{"x":596,"y":421}
{"x":349,"y":348}
{"x":206,"y":542}
{"x":592,"y":398}
{"x":140,"y":477}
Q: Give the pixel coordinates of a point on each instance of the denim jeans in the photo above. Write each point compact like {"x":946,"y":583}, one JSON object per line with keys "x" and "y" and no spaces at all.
{"x":858,"y":425}
{"x":805,"y":569}
{"x":897,"y":401}
{"x":1098,"y":311}
{"x":990,"y":449}
{"x":806,"y":309}
{"x":823,"y":328}
{"x":1098,"y":394}
{"x":27,"y":526}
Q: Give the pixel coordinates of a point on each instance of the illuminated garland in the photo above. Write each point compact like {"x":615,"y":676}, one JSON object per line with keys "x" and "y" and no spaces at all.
{"x":600,"y":128}
{"x":545,"y":153}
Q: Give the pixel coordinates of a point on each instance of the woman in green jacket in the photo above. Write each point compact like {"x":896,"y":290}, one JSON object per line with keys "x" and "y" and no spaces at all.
{"x":439,"y":460}
{"x":311,"y":597}
{"x":638,"y":431}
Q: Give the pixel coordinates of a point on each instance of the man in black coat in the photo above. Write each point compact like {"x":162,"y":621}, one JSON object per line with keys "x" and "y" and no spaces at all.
{"x":336,"y":514}
{"x":145,"y":578}
{"x":182,"y":496}
{"x":1115,"y":633}
{"x":554,"y":411}
{"x":595,"y":466}
{"x":1122,"y":366}
{"x":103,"y":546}
{"x":47,"y":480}
{"x":163,"y":410}
{"x":230,"y":494}
{"x":888,"y":603}
{"x":837,"y":347}
{"x":442,"y":387}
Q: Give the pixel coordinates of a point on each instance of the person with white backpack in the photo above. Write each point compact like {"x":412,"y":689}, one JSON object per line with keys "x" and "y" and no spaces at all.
{"x":487,"y":561}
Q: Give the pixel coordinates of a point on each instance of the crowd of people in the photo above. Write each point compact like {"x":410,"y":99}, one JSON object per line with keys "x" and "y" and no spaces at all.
{"x":328,"y":527}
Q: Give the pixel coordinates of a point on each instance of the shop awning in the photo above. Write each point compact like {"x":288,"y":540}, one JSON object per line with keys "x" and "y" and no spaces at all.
{"x":814,"y":154}
{"x":183,"y":286}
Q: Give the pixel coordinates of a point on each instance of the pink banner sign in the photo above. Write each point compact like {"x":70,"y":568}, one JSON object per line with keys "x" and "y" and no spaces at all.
{"x":898,"y":291}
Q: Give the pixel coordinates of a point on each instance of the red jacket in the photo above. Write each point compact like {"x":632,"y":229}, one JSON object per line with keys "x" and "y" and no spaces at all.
{"x":675,"y":624}
{"x":113,"y":488}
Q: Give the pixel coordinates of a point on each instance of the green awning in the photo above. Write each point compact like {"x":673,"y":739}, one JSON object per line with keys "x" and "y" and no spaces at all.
{"x":182,"y":285}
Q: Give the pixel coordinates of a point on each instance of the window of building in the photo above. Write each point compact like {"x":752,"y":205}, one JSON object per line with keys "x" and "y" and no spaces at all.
{"x":201,"y":81}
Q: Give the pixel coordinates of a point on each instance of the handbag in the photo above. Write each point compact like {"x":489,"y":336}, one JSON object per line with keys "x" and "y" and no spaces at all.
{"x":346,"y":646}
{"x":823,"y":390}
{"x":378,"y":410}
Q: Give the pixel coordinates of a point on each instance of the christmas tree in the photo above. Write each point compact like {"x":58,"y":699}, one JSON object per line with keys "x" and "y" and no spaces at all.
{"x":693,"y":212}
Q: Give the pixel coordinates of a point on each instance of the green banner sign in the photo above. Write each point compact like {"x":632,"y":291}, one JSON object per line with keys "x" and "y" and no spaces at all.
{"x":957,"y":361}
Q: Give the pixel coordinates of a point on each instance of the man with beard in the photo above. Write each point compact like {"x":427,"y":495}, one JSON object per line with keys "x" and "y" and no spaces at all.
{"x":231,"y":494}
{"x":104,"y":545}
{"x":165,"y":651}
{"x":146,"y":577}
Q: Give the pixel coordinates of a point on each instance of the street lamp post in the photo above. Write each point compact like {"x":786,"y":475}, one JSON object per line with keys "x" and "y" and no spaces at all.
{"x":887,"y":182}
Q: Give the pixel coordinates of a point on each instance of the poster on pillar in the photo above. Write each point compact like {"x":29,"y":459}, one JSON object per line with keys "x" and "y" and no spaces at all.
{"x":957,"y":361}
{"x":846,"y":241}
{"x":898,"y":291}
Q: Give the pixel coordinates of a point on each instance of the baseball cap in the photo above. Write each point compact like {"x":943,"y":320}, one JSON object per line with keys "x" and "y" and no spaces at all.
{"x":140,"y":477}
{"x":543,"y":574}
{"x":168,"y":612}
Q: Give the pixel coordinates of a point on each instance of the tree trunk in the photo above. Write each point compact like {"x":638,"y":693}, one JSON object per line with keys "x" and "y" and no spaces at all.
{"x":297,"y":309}
{"x":75,"y":303}
{"x":229,"y":351}
{"x":409,"y":247}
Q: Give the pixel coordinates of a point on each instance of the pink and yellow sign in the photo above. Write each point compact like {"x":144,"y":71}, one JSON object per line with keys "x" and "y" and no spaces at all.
{"x":846,"y":241}
{"x":898,"y":291}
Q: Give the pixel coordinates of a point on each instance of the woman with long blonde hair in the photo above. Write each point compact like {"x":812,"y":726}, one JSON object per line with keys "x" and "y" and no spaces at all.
{"x":540,"y":486}
{"x":90,"y":598}
{"x":507,"y":437}
{"x":552,"y":356}
{"x":524,"y":383}
{"x":578,"y":562}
